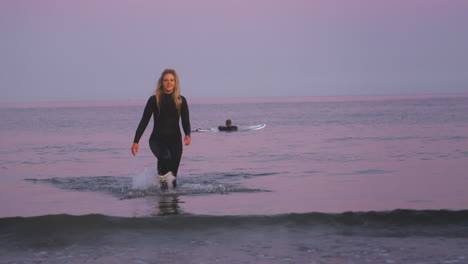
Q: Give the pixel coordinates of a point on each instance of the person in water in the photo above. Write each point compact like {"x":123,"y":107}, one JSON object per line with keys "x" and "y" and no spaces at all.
{"x":228,"y":127}
{"x":167,"y":107}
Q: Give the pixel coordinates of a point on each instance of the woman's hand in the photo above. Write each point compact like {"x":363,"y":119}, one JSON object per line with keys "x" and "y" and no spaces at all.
{"x":134,"y":148}
{"x":187,"y":140}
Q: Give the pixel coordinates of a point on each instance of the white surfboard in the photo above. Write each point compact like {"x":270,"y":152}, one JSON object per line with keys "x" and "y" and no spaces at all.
{"x":239,"y":128}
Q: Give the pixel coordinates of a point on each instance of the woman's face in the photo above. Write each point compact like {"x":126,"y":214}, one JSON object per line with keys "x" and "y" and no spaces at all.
{"x":168,"y":83}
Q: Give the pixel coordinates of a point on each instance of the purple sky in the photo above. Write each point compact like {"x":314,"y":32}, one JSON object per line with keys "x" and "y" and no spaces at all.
{"x":93,"y":50}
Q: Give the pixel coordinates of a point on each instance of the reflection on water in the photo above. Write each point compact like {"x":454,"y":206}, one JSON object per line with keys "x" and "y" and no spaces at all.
{"x":168,"y":205}
{"x":351,"y":154}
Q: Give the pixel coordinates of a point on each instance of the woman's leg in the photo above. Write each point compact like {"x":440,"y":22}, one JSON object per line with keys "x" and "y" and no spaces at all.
{"x":176,"y":155}
{"x":162,"y":153}
{"x":169,"y":153}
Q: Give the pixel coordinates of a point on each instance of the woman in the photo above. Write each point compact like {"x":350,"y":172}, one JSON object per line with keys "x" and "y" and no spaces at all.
{"x":167,"y":107}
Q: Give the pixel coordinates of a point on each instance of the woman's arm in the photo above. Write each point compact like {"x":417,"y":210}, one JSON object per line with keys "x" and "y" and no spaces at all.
{"x":185,"y":116}
{"x":143,"y":123}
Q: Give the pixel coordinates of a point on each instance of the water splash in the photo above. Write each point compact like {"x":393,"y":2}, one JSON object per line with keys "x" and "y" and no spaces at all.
{"x":145,"y":180}
{"x":145,"y":184}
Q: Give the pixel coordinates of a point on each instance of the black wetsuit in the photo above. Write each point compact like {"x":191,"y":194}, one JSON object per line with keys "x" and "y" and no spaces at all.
{"x":165,"y":140}
{"x":227,"y":128}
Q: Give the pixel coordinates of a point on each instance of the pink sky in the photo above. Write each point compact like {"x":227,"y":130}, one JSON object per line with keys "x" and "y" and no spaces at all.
{"x":115,"y":50}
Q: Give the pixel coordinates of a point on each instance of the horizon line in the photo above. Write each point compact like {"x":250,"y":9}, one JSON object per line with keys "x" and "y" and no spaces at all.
{"x":231,"y":100}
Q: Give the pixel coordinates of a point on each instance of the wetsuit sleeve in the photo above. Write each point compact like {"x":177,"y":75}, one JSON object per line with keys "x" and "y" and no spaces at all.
{"x":185,"y":116}
{"x":145,"y":119}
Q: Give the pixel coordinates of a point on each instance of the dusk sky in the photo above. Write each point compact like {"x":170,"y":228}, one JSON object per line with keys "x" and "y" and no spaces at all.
{"x":106,"y":50}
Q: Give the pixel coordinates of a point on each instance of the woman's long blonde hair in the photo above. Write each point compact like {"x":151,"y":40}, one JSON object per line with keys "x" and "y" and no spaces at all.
{"x":175,"y":95}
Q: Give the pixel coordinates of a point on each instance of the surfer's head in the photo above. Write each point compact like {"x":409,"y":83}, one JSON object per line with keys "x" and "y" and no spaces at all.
{"x":228,"y":123}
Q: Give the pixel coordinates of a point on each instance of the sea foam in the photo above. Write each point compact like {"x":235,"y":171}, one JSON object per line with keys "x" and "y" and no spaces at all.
{"x":146,"y":179}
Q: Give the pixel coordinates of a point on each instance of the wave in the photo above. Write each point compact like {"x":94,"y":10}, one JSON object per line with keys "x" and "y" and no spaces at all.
{"x":363,"y":172}
{"x":385,"y":223}
{"x":144,"y":184}
{"x":424,"y":139}
{"x":372,"y":138}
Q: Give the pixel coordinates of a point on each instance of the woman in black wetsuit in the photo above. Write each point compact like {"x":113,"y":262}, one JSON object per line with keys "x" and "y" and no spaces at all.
{"x":167,"y":107}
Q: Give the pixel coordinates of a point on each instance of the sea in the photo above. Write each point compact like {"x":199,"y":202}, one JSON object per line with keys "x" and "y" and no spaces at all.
{"x":340,"y":180}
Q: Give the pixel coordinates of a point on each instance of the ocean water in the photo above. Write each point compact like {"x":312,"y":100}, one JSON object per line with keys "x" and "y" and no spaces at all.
{"x":329,"y":180}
